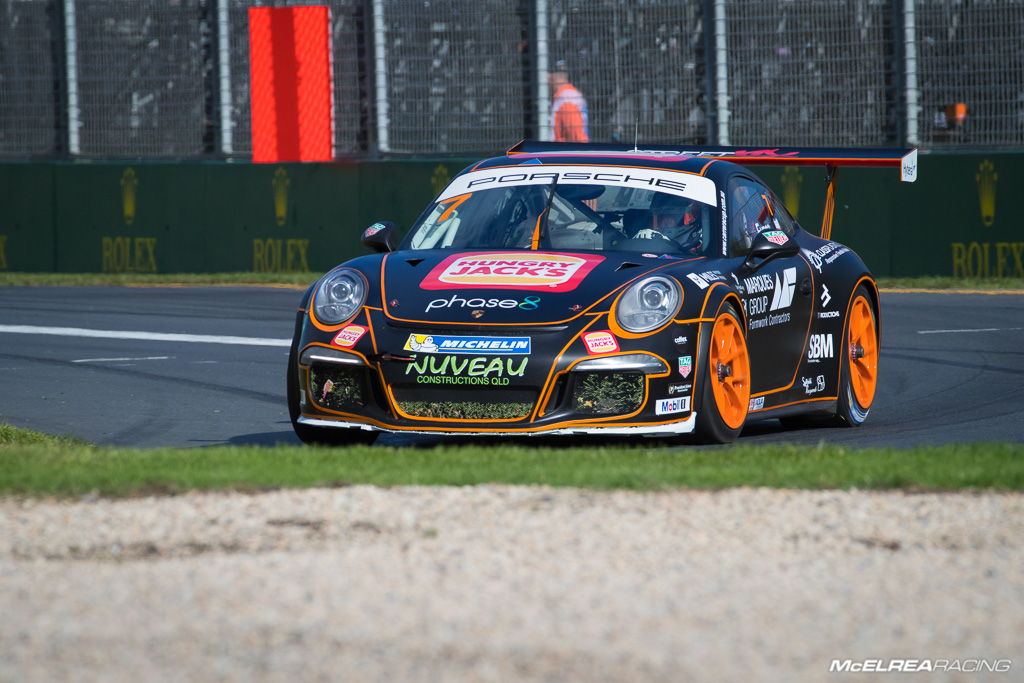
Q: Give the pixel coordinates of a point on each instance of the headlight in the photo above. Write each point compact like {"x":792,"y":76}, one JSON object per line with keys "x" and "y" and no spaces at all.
{"x":648,"y":304}
{"x":339,"y":297}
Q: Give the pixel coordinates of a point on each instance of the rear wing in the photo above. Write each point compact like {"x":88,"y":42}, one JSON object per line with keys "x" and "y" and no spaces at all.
{"x":832,"y":158}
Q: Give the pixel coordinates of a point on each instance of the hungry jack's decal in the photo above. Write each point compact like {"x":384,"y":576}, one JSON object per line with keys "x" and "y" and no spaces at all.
{"x":540,"y":271}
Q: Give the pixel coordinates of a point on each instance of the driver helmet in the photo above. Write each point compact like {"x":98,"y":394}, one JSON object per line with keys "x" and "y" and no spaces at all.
{"x":671,"y":211}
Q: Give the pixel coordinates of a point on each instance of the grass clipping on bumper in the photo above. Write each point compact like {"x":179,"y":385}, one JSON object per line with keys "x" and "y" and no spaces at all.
{"x":36,"y":464}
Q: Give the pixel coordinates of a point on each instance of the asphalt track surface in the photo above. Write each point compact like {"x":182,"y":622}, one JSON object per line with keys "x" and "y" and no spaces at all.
{"x":201,"y":366}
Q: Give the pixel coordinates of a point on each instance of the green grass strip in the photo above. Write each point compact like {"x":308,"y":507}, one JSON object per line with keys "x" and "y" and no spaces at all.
{"x":12,"y":279}
{"x":31,"y":464}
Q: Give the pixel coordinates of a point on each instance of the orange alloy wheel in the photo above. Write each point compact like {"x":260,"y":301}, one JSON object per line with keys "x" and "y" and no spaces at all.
{"x":729,"y":368}
{"x":862,"y":352}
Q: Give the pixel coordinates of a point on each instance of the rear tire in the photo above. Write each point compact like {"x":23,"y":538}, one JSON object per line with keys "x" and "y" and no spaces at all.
{"x":322,"y":436}
{"x":725,"y":383}
{"x":858,"y":376}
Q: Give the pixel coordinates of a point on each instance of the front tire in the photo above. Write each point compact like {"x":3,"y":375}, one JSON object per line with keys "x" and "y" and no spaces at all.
{"x":725,"y":392}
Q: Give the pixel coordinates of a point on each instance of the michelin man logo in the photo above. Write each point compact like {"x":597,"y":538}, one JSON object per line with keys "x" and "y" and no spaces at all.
{"x":423,"y":343}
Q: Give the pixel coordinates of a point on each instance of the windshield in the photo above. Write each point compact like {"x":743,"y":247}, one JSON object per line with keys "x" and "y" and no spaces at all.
{"x":565,"y":215}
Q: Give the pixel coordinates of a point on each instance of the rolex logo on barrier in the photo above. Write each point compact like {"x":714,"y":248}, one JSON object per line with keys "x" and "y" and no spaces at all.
{"x":280,"y":183}
{"x":128,"y":184}
{"x":986,"y":178}
{"x":791,"y":181}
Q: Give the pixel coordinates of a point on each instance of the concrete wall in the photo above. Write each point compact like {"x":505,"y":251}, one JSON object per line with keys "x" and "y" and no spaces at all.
{"x":208,"y":216}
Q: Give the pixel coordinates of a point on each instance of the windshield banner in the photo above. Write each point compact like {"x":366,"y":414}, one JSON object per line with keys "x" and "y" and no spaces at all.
{"x":659,"y":180}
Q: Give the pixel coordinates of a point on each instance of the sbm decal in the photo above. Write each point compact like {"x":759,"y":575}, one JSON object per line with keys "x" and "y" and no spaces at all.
{"x":819,"y":346}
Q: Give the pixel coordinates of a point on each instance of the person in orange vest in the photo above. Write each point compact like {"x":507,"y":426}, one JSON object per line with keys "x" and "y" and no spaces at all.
{"x":568,"y":107}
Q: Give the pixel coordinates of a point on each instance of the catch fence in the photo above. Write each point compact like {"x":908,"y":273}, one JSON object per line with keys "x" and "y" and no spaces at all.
{"x":169,"y":79}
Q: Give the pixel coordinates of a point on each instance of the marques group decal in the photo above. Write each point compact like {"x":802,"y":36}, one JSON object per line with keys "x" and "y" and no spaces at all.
{"x":782,"y":290}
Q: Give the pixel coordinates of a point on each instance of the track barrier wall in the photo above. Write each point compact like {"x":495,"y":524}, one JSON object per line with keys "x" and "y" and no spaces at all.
{"x":197,"y":217}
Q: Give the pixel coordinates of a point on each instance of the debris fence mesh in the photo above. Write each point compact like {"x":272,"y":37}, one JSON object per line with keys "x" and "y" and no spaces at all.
{"x":170,"y":78}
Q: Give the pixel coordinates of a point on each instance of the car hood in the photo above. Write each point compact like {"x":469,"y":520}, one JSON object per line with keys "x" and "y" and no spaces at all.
{"x":504,"y":287}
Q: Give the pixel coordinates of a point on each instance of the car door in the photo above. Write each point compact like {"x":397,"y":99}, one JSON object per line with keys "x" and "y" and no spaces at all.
{"x":776,"y":293}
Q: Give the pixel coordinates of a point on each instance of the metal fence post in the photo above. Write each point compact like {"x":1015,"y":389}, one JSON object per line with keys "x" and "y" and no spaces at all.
{"x":543,"y":66}
{"x":910,"y":71}
{"x":380,"y":76}
{"x":227,"y":145}
{"x":721,"y":74}
{"x":71,"y":76}
{"x":710,"y":110}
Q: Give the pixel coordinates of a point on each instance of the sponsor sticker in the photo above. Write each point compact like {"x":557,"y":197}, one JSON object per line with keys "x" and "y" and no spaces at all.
{"x":828,"y":314}
{"x":600,"y":342}
{"x":739,"y":285}
{"x":776,"y":236}
{"x":697,"y":280}
{"x":685,"y":365}
{"x":784,"y":288}
{"x":529,"y":303}
{"x":813,"y":385}
{"x":670,"y":182}
{"x":756,"y":403}
{"x":373,"y":230}
{"x":827,"y":253}
{"x":825,"y":296}
{"x":704,"y":279}
{"x":488,"y":270}
{"x":680,"y":340}
{"x":674,"y":389}
{"x":819,"y":346}
{"x":492,"y":346}
{"x":433,"y":369}
{"x":667,"y":406}
{"x":349,"y":335}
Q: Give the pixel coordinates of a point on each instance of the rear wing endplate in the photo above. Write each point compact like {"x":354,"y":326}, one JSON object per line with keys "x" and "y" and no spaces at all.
{"x":832,"y":158}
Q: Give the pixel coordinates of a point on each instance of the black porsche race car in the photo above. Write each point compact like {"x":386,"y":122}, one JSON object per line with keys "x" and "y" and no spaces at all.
{"x":594,"y":289}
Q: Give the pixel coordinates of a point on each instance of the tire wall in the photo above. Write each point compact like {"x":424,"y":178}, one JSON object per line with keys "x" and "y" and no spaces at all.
{"x":198,"y":217}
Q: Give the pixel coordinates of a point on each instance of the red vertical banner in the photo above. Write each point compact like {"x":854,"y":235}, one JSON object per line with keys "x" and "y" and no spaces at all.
{"x":290,"y":84}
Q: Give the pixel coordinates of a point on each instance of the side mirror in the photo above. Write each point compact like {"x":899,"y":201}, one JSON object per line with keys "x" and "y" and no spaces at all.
{"x":769,"y":244}
{"x":380,"y":236}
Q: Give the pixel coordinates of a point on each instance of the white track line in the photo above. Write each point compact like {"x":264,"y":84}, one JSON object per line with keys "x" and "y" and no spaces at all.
{"x":146,"y":336}
{"x":118,"y":360}
{"x":981,"y":329}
